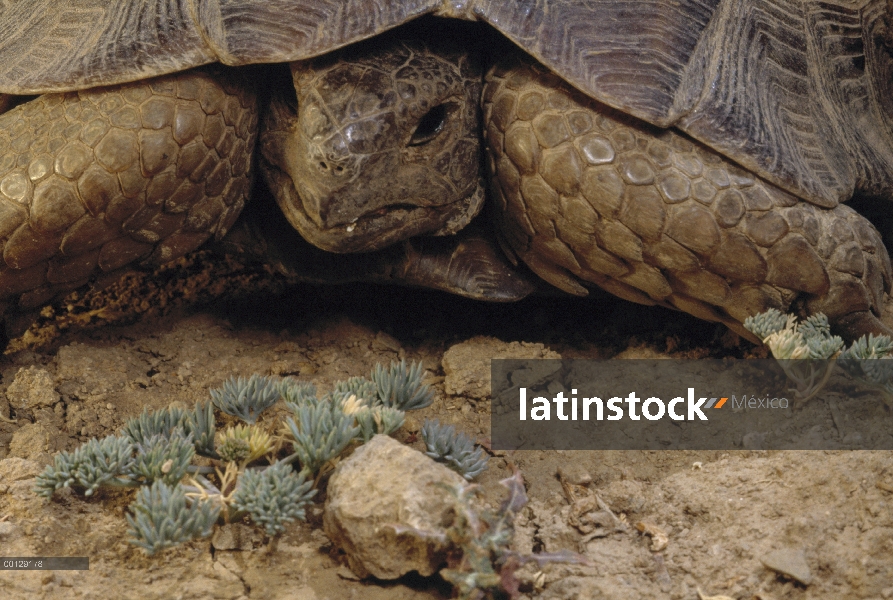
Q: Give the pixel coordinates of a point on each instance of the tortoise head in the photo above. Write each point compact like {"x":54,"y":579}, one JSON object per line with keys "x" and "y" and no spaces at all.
{"x":381,"y":144}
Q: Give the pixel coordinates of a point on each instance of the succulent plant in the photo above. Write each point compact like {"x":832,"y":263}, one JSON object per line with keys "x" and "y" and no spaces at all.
{"x":162,"y":517}
{"x":401,"y":387}
{"x":160,"y":458}
{"x":178,"y":501}
{"x":273,"y":496}
{"x":96,"y":463}
{"x":246,"y":398}
{"x":805,"y":351}
{"x":483,"y":564}
{"x":244,"y":443}
{"x":322,"y":431}
{"x":297,"y":392}
{"x":453,"y":448}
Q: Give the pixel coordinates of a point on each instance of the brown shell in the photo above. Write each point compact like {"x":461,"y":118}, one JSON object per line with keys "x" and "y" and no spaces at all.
{"x":798,"y":91}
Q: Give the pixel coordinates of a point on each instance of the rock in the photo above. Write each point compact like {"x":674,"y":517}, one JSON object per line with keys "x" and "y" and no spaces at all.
{"x":31,"y":388}
{"x":575,"y":474}
{"x":17,"y":469}
{"x":33,"y":442}
{"x":5,"y":412}
{"x":553,"y":531}
{"x":383,"y":484}
{"x":790,"y":562}
{"x":234,"y":536}
{"x":7,"y":529}
{"x":467,"y":365}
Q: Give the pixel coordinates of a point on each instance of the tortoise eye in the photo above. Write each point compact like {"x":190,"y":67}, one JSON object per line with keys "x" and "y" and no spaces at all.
{"x":430,"y":126}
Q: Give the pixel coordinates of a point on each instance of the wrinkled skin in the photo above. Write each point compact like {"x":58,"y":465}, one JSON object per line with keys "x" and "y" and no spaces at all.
{"x":382,"y":145}
{"x":378,"y":144}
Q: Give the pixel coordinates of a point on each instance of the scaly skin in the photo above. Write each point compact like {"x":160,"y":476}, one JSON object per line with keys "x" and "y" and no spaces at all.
{"x":586,"y":195}
{"x":94,"y":181}
{"x":351,"y":165}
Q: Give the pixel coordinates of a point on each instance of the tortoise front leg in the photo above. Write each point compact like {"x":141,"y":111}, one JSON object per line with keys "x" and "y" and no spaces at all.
{"x":586,"y":195}
{"x":469,"y":263}
{"x":95,"y":181}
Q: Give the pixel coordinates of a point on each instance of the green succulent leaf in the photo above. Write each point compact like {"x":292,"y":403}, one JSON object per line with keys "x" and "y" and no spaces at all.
{"x":200,"y":423}
{"x":321,"y":432}
{"x":163,"y":517}
{"x":273,"y":496}
{"x":164,"y":422}
{"x":246,"y":398}
{"x":360,"y":387}
{"x":453,"y":448}
{"x":96,"y":463}
{"x":161,"y":458}
{"x":815,"y":327}
{"x":767,"y":323}
{"x":401,"y":387}
{"x":297,"y":392}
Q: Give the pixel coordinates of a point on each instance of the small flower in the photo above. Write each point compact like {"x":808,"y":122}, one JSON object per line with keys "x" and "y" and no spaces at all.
{"x":244,"y":443}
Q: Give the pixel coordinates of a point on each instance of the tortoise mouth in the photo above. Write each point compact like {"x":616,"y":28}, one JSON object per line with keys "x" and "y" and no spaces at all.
{"x":378,"y":228}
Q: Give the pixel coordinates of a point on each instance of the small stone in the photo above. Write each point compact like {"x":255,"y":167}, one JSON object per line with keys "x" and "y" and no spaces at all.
{"x":32,"y":442}
{"x":6,"y":529}
{"x":382,"y":485}
{"x":18,"y":469}
{"x":385,"y":342}
{"x":32,"y":388}
{"x":575,"y":474}
{"x":233,"y":536}
{"x":466,"y":366}
{"x":790,"y":562}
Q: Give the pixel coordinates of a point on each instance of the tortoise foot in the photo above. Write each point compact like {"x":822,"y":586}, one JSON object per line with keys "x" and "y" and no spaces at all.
{"x":95,"y":181}
{"x":468,"y":264}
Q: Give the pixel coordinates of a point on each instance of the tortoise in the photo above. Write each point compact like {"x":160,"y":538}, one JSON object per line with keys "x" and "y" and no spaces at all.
{"x":694,"y":155}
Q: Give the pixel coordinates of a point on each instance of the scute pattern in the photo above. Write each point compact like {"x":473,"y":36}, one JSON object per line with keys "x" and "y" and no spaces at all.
{"x":798,"y":91}
{"x":93,"y":181}
{"x":655,"y":218}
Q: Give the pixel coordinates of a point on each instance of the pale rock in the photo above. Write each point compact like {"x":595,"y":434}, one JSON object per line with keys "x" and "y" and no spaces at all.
{"x":790,"y":562}
{"x":17,"y":469}
{"x":466,"y":366}
{"x":32,"y":442}
{"x":234,"y":536}
{"x":384,"y":484}
{"x":32,"y":388}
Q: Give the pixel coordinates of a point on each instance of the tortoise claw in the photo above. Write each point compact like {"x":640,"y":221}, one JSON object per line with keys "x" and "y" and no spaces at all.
{"x":469,"y":264}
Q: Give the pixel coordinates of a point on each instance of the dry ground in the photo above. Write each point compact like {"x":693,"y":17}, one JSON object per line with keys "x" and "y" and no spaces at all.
{"x":722,"y":511}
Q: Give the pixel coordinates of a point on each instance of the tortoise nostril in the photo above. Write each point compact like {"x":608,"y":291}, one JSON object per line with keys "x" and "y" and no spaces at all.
{"x":339,"y":169}
{"x":323,"y":165}
{"x":429,"y":126}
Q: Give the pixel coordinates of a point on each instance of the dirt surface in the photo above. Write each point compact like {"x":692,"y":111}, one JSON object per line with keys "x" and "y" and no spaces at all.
{"x":824,"y":517}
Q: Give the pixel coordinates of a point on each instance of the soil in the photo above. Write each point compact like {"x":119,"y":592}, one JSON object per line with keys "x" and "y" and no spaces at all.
{"x":684,"y":523}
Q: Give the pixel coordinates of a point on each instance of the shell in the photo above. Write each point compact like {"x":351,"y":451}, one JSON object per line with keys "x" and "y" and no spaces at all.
{"x":797,"y":91}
